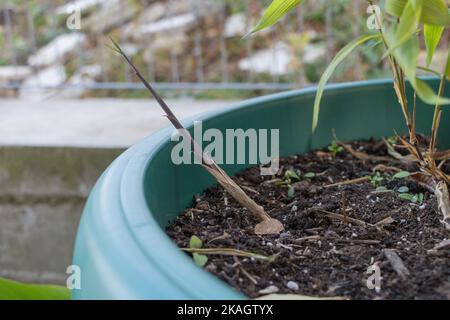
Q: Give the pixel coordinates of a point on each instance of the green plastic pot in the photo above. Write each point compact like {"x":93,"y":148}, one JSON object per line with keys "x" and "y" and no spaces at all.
{"x":121,"y":246}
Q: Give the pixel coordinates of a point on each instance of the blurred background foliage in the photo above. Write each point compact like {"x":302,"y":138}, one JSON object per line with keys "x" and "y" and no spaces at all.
{"x":201,"y":51}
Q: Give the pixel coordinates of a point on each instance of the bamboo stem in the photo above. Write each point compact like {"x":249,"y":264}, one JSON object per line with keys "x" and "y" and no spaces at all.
{"x":267,"y":224}
{"x":436,"y":117}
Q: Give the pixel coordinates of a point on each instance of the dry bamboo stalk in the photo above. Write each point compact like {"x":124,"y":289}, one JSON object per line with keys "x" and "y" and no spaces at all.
{"x":340,"y":217}
{"x":267,"y":225}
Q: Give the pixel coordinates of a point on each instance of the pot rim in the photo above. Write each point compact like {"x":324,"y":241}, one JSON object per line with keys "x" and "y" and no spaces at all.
{"x":145,"y":229}
{"x":120,"y":239}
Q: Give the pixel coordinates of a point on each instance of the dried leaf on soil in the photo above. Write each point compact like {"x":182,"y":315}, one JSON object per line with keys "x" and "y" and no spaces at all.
{"x":396,"y":263}
{"x":443,"y":199}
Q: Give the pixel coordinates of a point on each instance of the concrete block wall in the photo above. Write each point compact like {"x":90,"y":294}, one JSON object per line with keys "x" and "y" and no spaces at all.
{"x":42,"y":194}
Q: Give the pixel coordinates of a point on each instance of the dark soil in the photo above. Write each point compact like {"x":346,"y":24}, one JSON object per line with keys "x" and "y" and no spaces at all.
{"x":325,"y":256}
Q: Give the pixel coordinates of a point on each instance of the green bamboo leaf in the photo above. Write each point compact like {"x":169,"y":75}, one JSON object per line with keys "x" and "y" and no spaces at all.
{"x":434,"y":12}
{"x":276,"y":10}
{"x":12,"y":290}
{"x":432,"y":35}
{"x":427,"y":94}
{"x":407,"y":27}
{"x":406,"y":56}
{"x":340,"y":56}
{"x":409,"y":21}
{"x":395,"y":7}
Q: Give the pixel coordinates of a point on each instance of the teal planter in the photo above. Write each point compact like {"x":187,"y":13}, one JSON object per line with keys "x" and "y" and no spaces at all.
{"x":121,"y":246}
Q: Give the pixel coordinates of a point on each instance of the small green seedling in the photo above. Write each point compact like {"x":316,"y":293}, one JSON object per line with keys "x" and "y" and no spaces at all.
{"x":401,"y":175}
{"x":382,"y":189}
{"x":199,"y":259}
{"x":289,"y":177}
{"x":412,"y":197}
{"x":309,"y":175}
{"x":392,"y":140}
{"x":335,"y":148}
{"x":376,"y":179}
{"x":291,"y":191}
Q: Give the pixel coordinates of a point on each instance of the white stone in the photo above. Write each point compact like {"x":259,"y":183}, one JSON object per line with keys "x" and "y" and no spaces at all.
{"x":84,"y":76}
{"x":312,"y":53}
{"x":269,"y":290}
{"x":169,"y":24}
{"x":110,"y":14}
{"x":14,"y":73}
{"x":274,"y":61}
{"x":161,"y":42}
{"x":130,"y":48}
{"x":81,"y":5}
{"x":91,"y":71}
{"x":57,"y":49}
{"x":235,"y":25}
{"x":292,"y":285}
{"x":39,"y":86}
{"x":152,"y":13}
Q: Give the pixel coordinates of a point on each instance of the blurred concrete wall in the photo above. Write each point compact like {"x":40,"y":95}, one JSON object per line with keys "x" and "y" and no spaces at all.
{"x":42,"y":194}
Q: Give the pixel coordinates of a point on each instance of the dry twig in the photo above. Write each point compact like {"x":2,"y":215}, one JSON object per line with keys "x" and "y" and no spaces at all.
{"x":308,"y":238}
{"x":347,"y":182}
{"x":442,"y":245}
{"x":340,"y":217}
{"x":317,"y":238}
{"x":267,"y":224}
{"x":394,"y":154}
{"x":249,"y":276}
{"x":384,"y":222}
{"x":358,"y":154}
{"x":230,"y":252}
